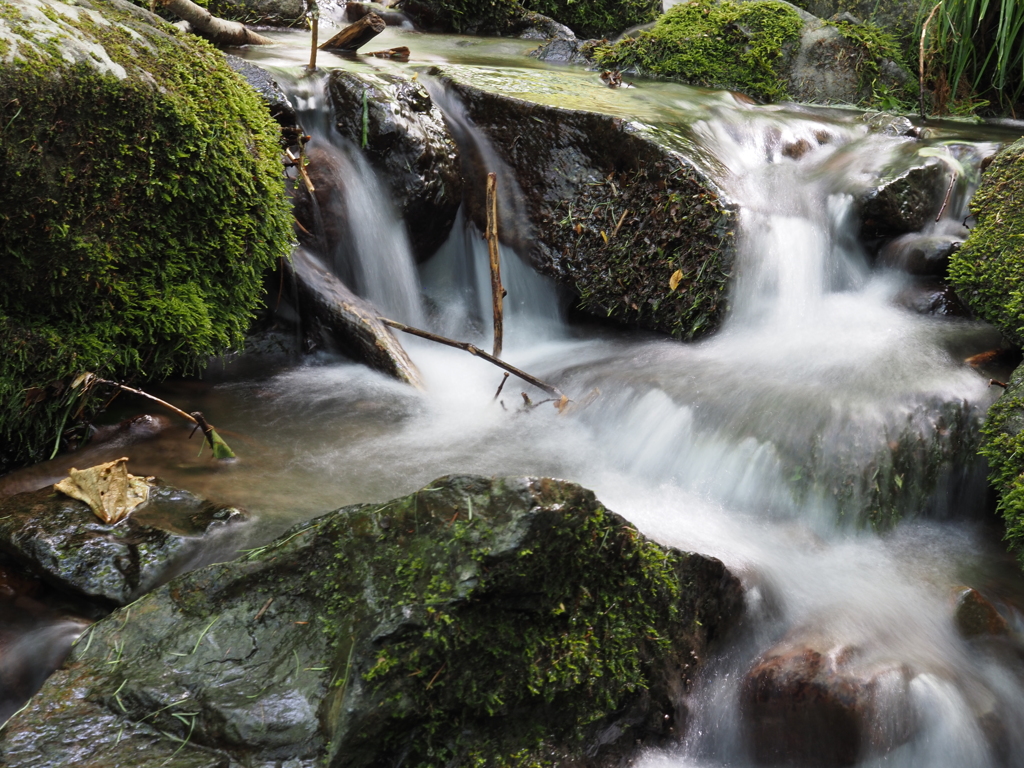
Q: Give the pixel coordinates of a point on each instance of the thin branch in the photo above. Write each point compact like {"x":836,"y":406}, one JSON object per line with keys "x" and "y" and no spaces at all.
{"x":945,"y":200}
{"x":501,"y":386}
{"x":497,"y":292}
{"x":473,"y":350}
{"x":217,"y":445}
{"x":920,"y":59}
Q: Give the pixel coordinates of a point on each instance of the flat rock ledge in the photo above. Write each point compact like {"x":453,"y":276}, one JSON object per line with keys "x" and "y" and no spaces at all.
{"x":59,"y":539}
{"x":475,"y":622}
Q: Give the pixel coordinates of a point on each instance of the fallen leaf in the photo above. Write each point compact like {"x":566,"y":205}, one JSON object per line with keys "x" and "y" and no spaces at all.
{"x":673,"y":282}
{"x":108,"y":489}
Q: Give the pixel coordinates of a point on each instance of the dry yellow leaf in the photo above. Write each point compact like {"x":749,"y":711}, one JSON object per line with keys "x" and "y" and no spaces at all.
{"x":673,"y":282}
{"x":108,"y":489}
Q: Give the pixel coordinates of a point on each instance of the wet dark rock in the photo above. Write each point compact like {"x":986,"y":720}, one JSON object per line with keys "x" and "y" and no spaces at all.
{"x":356,"y":11}
{"x":406,"y":140}
{"x":610,"y":209}
{"x":929,"y":296}
{"x":975,"y":616}
{"x":337,"y":318}
{"x":904,"y":201}
{"x":266,"y":86}
{"x":487,"y":618}
{"x":566,"y":51}
{"x":811,"y":701}
{"x":917,"y":254}
{"x":536,"y":26}
{"x":60,"y":540}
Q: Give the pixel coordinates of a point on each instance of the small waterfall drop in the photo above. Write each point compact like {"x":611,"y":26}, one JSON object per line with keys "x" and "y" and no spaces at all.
{"x":359,"y":234}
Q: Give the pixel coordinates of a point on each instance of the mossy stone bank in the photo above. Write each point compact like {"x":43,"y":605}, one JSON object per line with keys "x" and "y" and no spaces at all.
{"x":497,"y":622}
{"x":599,"y":18}
{"x":142,"y":201}
{"x":988,"y":274}
{"x":769,"y":50}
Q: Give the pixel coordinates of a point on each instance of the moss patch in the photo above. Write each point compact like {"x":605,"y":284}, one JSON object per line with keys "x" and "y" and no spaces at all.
{"x":988,"y":273}
{"x":137,"y":214}
{"x":988,"y":270}
{"x":737,"y":46}
{"x":590,"y":18}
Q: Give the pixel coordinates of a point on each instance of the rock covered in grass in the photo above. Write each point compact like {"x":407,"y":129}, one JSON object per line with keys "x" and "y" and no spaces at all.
{"x":59,"y":539}
{"x":477,"y":621}
{"x":767,"y":49}
{"x":142,"y":201}
{"x":988,"y":274}
{"x":619,"y":213}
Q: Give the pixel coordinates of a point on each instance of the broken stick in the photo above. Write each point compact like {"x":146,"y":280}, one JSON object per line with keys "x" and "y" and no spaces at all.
{"x":220,"y":449}
{"x":497,"y":292}
{"x":476,"y":351}
{"x":356,"y":34}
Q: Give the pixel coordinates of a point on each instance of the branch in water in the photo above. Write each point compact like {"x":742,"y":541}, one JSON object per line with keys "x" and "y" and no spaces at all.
{"x":221,"y":450}
{"x":217,"y":30}
{"x":476,"y":351}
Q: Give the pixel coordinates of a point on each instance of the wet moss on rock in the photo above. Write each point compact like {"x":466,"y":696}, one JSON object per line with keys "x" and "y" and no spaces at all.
{"x":732,"y":45}
{"x":988,"y":274}
{"x":598,"y":19}
{"x":476,"y":622}
{"x":142,"y":201}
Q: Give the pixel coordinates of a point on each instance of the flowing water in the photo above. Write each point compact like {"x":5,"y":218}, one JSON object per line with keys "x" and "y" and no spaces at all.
{"x":821,"y":403}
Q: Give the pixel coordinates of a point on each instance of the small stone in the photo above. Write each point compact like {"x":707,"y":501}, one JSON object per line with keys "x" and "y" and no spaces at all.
{"x":975,"y":616}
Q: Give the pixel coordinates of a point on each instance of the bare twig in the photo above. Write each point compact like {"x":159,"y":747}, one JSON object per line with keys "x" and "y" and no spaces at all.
{"x":300,"y":164}
{"x":314,"y":24}
{"x":501,"y":386}
{"x":497,"y":292}
{"x":920,"y":59}
{"x":945,"y":200}
{"x":997,"y":383}
{"x":217,"y":445}
{"x":473,"y":350}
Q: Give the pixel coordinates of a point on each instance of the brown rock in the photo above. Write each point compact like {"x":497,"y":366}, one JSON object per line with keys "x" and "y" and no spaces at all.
{"x":814,"y":701}
{"x":974,"y":615}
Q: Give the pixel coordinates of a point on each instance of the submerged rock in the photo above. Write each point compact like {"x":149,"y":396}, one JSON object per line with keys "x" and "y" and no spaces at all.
{"x":609,"y":208}
{"x":60,"y":540}
{"x":811,"y":701}
{"x":975,"y":616}
{"x":904,"y":201}
{"x":917,"y":254}
{"x":469,"y":622}
{"x":404,"y":135}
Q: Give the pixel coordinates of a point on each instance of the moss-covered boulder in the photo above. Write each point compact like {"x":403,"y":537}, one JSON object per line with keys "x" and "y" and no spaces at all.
{"x":988,"y":274}
{"x":476,"y":622}
{"x":142,"y":200}
{"x":616,"y":211}
{"x":769,"y":50}
{"x":988,"y":270}
{"x":595,"y":18}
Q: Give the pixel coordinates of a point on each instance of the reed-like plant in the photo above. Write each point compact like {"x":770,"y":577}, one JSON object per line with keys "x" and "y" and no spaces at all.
{"x":977,"y":49}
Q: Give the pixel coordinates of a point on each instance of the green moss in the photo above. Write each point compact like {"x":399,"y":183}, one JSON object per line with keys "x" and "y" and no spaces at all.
{"x":137,"y":216}
{"x":1003,"y":447}
{"x":598,"y":18}
{"x":472,"y":16}
{"x":477,"y":634}
{"x":988,"y":273}
{"x":872,"y":46}
{"x":738,"y":46}
{"x":677,"y":225}
{"x":988,"y":270}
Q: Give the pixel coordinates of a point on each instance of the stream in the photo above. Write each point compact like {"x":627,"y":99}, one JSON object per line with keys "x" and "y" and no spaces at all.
{"x":821,"y":403}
